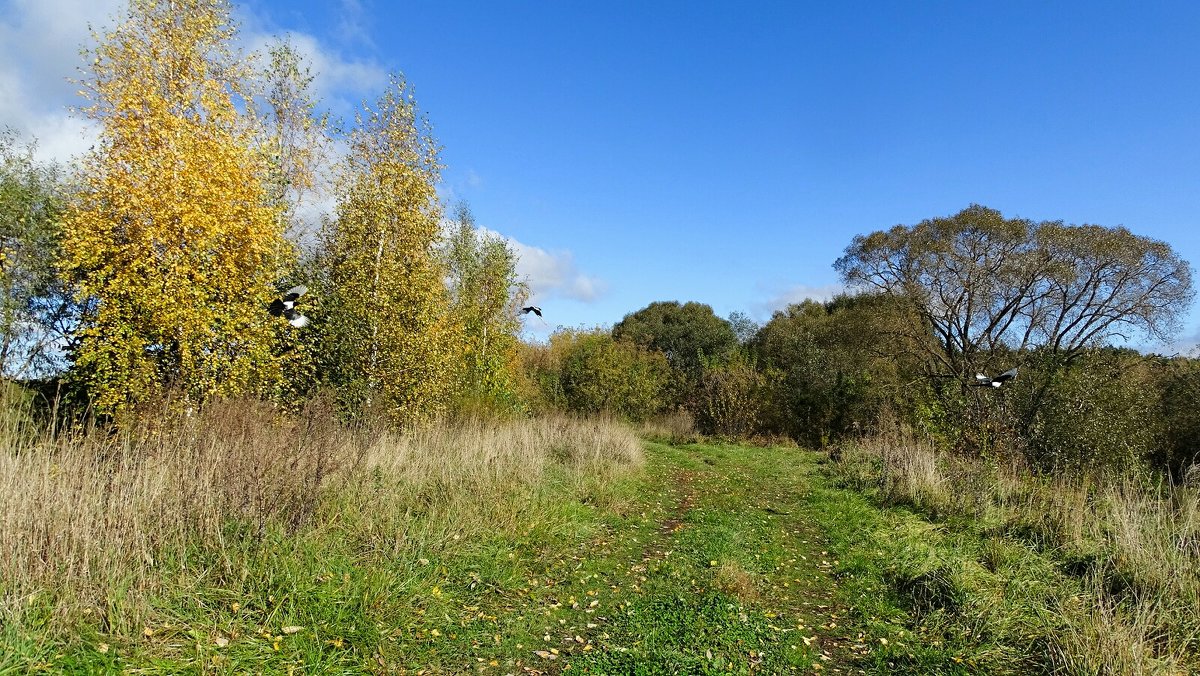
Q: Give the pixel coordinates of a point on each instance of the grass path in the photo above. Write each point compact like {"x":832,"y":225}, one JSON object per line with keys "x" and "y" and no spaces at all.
{"x":710,"y":563}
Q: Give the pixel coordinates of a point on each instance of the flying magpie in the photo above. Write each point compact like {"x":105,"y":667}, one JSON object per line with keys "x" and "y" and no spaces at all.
{"x":984,"y":381}
{"x":285,"y":307}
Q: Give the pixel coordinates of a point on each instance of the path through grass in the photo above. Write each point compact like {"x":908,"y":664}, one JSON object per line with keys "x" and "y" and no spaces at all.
{"x":713,"y":560}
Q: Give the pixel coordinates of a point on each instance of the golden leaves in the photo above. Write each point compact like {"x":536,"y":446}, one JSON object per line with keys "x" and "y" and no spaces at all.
{"x":173,"y":239}
{"x":392,"y":322}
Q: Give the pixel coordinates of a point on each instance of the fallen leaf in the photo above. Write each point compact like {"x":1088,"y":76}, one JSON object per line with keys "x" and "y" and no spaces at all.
{"x":291,"y":630}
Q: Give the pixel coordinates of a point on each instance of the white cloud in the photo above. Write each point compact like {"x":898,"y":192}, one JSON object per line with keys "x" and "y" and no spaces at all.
{"x":40,"y":42}
{"x":352,"y":26}
{"x":795,"y":294}
{"x":552,"y":274}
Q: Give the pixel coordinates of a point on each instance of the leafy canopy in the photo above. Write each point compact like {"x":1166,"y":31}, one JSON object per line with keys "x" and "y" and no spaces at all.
{"x":485,"y":295}
{"x":982,"y":284}
{"x":393,"y":341}
{"x":173,"y":245}
{"x":687,"y":333}
{"x":35,"y":311}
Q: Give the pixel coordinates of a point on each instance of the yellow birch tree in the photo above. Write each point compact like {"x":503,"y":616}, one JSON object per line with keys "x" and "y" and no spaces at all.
{"x":174,"y":244}
{"x":393,"y":342}
{"x":486,"y":296}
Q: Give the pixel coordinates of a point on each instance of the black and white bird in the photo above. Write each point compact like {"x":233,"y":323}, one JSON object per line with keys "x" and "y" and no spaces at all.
{"x":532,"y":308}
{"x":985,"y":381}
{"x":286,"y":307}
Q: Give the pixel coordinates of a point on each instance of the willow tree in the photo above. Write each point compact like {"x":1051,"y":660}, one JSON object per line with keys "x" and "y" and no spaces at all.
{"x":984,"y":286}
{"x":486,"y":295}
{"x":391,"y":340}
{"x":174,"y":244}
{"x":987,"y":293}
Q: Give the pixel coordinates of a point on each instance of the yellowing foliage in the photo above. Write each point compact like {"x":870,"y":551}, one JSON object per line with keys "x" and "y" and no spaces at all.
{"x":486,"y":296}
{"x":173,"y":243}
{"x":393,"y":340}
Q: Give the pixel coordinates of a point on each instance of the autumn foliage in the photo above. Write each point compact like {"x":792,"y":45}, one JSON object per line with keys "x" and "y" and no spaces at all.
{"x":186,"y":228}
{"x":394,"y":339}
{"x":172,"y":242}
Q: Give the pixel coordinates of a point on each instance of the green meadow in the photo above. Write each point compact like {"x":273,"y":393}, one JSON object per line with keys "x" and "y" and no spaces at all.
{"x":545,"y":546}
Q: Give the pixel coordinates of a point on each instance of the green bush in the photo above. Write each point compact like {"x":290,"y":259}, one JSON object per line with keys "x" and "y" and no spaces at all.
{"x":733,"y":400}
{"x":587,"y":371}
{"x":1098,"y":415}
{"x":1179,"y":413}
{"x":834,"y":375}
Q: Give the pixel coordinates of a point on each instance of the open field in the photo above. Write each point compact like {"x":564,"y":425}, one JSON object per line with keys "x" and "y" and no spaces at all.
{"x":547,"y":546}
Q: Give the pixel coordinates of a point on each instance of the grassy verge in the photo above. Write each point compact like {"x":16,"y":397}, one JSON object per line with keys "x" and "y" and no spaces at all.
{"x":1019,"y":574}
{"x":236,"y":541}
{"x":420,"y":555}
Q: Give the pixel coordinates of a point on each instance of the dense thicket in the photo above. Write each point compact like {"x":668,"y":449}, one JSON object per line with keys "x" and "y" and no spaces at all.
{"x":588,"y":371}
{"x":932,"y":305}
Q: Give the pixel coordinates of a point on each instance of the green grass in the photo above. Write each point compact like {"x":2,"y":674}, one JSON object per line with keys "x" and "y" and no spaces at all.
{"x":712,"y":559}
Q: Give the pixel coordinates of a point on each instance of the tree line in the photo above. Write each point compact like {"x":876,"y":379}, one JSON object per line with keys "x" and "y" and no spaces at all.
{"x":934,"y":311}
{"x":143,"y":274}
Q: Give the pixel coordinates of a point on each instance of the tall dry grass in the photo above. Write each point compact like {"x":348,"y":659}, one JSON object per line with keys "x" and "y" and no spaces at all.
{"x":1133,"y":545}
{"x":677,"y":427}
{"x":83,"y":516}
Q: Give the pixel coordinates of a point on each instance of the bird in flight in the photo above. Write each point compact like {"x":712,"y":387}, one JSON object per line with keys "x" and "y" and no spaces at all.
{"x":285,"y":307}
{"x":986,"y":381}
{"x":532,"y":308}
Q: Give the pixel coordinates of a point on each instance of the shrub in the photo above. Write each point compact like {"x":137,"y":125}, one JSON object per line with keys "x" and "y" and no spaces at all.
{"x":587,"y":371}
{"x":1096,"y":416}
{"x":732,"y":400}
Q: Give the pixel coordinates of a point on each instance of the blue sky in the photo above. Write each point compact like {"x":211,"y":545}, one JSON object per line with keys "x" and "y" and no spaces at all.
{"x":728,"y":152}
